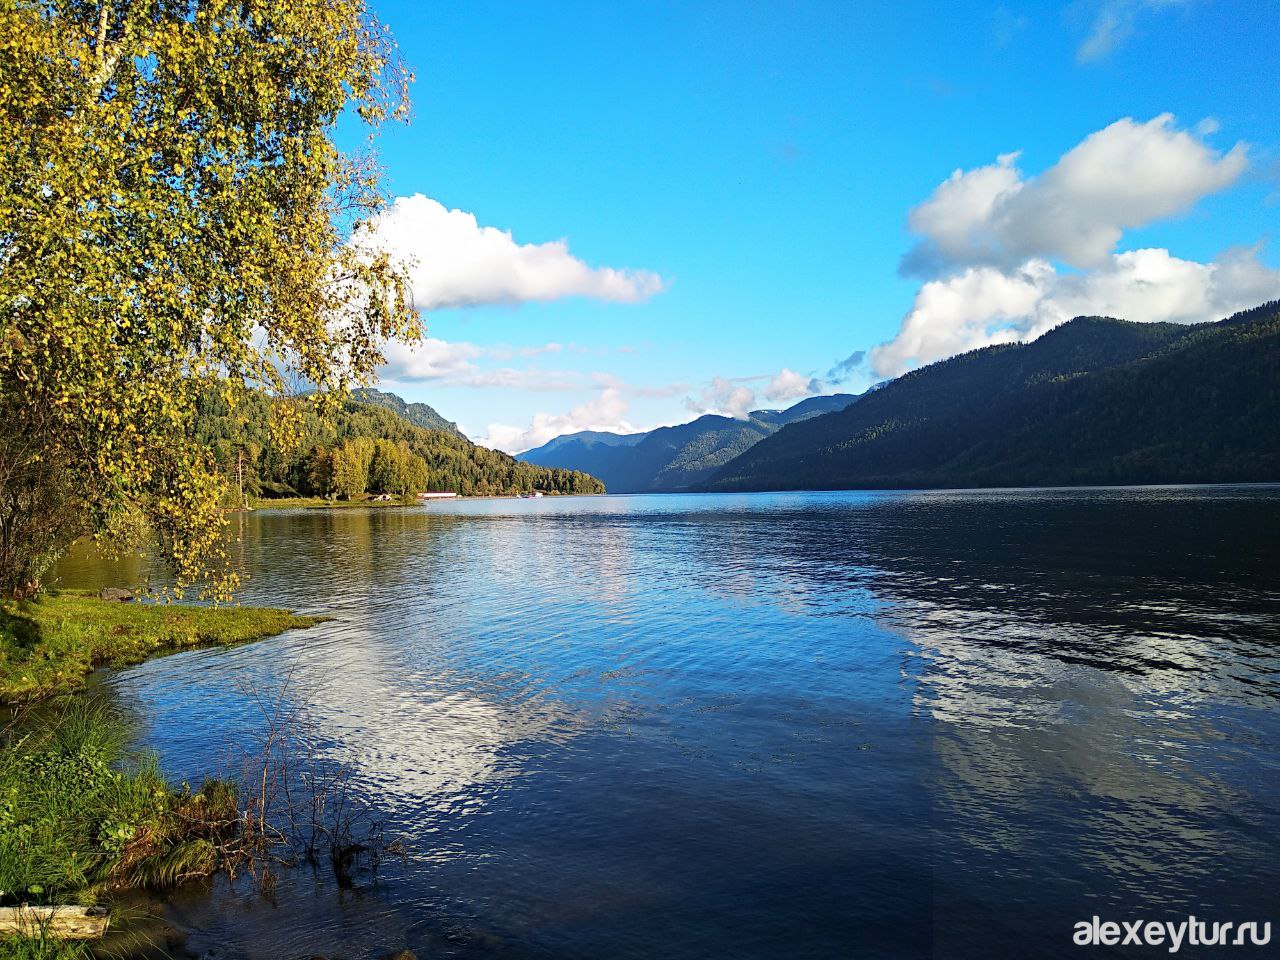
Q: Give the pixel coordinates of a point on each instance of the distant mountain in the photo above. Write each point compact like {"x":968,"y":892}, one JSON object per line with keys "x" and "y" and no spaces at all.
{"x":591,"y":438}
{"x":418,"y":414}
{"x":1094,"y":401}
{"x":607,"y":454}
{"x":812,"y":407}
{"x":672,"y":458}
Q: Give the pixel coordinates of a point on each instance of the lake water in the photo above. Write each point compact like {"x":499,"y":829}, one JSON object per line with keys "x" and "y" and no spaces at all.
{"x":940,"y":724}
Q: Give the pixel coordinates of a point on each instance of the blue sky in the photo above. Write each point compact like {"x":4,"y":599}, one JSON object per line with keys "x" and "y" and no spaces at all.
{"x":755,"y":166}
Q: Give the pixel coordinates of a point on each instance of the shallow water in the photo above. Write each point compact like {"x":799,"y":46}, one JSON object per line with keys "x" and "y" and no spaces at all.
{"x":822,"y":725}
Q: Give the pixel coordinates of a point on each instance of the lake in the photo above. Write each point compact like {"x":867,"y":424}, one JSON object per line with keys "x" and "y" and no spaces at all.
{"x":811,"y":725}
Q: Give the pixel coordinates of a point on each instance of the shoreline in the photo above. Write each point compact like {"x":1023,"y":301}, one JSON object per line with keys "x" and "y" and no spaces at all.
{"x":49,"y":645}
{"x":319,"y":503}
{"x":62,"y":749}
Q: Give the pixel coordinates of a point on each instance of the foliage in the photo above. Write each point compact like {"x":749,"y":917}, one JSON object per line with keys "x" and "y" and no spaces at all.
{"x":49,"y":644}
{"x":1095,"y":401}
{"x":366,"y":448}
{"x":78,"y":817}
{"x":175,"y":217}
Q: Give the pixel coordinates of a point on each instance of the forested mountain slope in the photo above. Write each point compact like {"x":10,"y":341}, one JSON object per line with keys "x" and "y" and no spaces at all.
{"x":367,"y":448}
{"x":419,"y":414}
{"x":1094,"y":401}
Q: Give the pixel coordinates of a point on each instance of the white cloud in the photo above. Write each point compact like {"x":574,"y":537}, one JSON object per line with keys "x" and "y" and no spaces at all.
{"x":985,"y":305}
{"x":452,"y":364}
{"x":514,"y":378}
{"x":503,"y":352}
{"x":993,"y":241}
{"x":732,"y":397}
{"x":453,"y":261}
{"x":429,"y":359}
{"x":960,"y":313}
{"x":1125,"y":175}
{"x":789,"y":385}
{"x":957,"y":219}
{"x":724,"y":396}
{"x":1113,"y":23}
{"x":606,"y":411}
{"x":661,"y":390}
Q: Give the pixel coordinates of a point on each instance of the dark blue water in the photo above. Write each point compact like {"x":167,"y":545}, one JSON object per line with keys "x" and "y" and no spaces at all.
{"x":765,"y":726}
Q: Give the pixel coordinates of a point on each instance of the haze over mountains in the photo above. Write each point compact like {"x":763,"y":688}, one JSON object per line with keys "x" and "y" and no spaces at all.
{"x":673,"y":458}
{"x":1094,"y":401}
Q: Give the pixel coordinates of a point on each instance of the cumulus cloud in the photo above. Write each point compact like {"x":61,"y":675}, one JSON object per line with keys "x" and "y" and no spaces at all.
{"x":429,"y":359}
{"x":724,"y":396}
{"x":1125,"y":175}
{"x":985,"y":305}
{"x":788,"y":385}
{"x":993,"y":242}
{"x":453,"y":261}
{"x":606,"y":411}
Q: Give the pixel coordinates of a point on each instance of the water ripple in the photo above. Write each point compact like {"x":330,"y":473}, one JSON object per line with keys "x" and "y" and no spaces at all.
{"x":801,"y":725}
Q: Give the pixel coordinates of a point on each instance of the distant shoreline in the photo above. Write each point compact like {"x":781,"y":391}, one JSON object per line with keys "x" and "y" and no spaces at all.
{"x":319,"y":503}
{"x":316,"y":503}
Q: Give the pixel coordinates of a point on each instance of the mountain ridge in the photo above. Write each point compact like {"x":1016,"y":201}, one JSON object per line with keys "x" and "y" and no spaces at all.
{"x":419,"y":414}
{"x":1095,"y":400}
{"x":673,"y":458}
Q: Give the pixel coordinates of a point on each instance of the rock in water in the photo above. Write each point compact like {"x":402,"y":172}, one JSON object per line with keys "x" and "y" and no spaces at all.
{"x":115,"y":595}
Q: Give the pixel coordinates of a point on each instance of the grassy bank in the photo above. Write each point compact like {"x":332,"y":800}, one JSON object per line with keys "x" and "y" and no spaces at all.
{"x":297,"y":503}
{"x":79,"y":818}
{"x":50,"y":644}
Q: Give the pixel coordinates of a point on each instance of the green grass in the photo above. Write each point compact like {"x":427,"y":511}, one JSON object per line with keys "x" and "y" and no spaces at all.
{"x":50,"y":644}
{"x":27,"y":948}
{"x":296,"y":503}
{"x":79,"y":818}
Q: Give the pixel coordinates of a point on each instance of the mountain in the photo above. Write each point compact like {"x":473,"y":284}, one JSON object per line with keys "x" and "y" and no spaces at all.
{"x":418,"y":414}
{"x":598,"y":453}
{"x":811,"y":407}
{"x":592,"y":438}
{"x":365,"y":441}
{"x":672,"y":458}
{"x":1094,"y":401}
